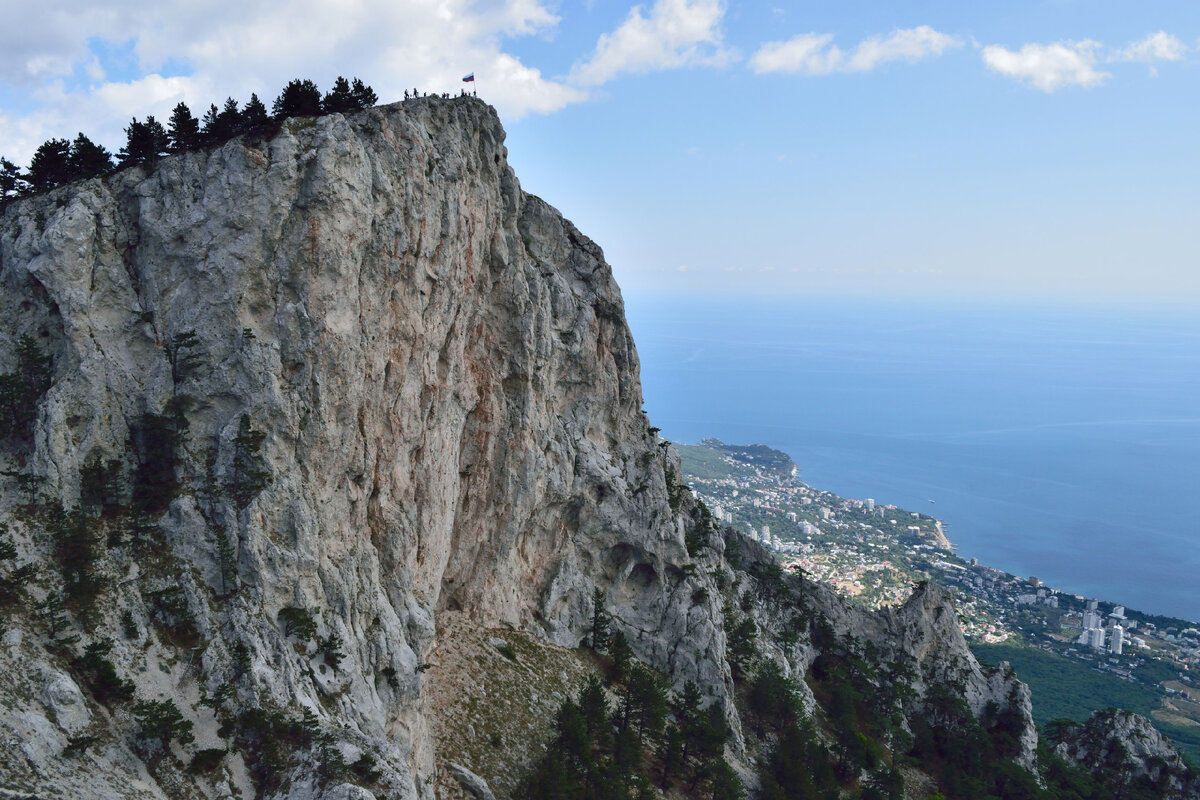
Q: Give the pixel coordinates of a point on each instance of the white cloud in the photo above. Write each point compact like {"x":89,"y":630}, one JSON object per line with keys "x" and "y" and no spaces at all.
{"x":912,"y":44}
{"x":1160,"y":46}
{"x":809,"y":53}
{"x":676,"y":33}
{"x":219,"y":48}
{"x":815,"y":54}
{"x":1048,"y":66}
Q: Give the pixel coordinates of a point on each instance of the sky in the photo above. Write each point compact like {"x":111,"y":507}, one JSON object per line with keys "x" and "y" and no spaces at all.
{"x":1033,"y":150}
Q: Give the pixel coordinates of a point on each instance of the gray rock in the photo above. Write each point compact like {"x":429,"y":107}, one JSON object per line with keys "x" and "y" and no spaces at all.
{"x":64,"y":700}
{"x":1133,"y":751}
{"x":474,"y":784}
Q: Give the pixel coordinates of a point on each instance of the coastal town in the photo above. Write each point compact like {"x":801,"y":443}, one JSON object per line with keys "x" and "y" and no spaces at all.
{"x":874,"y":553}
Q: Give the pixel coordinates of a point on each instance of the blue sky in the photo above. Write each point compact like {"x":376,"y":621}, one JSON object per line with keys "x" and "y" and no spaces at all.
{"x":1027,"y":150}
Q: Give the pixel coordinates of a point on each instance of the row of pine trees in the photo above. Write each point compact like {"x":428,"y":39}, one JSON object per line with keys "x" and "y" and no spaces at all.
{"x":60,"y":161}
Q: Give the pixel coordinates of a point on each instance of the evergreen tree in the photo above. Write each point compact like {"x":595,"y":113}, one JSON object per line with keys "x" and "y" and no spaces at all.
{"x":622,"y":654}
{"x":145,"y":141}
{"x":364,"y":95}
{"x":12,"y":183}
{"x":50,"y":165}
{"x":211,"y":125}
{"x":255,"y":119}
{"x":229,"y":121}
{"x":339,"y":100}
{"x":183,"y":129}
{"x":88,"y":159}
{"x":249,"y":473}
{"x":672,"y":755}
{"x":300,"y":98}
{"x":20,"y":391}
{"x":600,"y":621}
{"x":160,"y":721}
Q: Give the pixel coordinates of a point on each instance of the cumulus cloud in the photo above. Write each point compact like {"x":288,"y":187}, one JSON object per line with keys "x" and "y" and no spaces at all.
{"x":815,"y":53}
{"x":676,"y":33}
{"x":201,"y":52}
{"x":1160,"y":46}
{"x":1048,"y":66}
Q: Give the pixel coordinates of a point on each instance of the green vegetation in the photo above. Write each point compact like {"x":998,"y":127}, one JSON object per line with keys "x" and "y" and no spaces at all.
{"x":100,"y":676}
{"x":248,"y":474}
{"x":702,"y":461}
{"x":22,"y":389}
{"x":12,"y":578}
{"x":76,"y":546}
{"x":160,"y":722}
{"x":1066,"y":688}
{"x":298,"y":622}
{"x":602,"y":750}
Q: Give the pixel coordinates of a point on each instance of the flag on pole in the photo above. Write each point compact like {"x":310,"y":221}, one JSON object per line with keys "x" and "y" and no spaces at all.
{"x":469,"y":78}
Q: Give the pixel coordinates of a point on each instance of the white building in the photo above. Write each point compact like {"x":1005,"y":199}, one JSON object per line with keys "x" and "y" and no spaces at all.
{"x":1118,"y":640}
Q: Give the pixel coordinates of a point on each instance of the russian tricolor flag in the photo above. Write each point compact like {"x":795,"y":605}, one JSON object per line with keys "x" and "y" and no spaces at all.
{"x":469,"y":78}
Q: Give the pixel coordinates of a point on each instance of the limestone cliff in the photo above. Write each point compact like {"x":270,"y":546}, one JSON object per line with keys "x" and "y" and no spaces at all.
{"x":311,"y":392}
{"x":1135,"y":758}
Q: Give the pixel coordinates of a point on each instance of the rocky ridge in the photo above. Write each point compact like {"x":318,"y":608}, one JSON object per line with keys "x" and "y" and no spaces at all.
{"x":1132,"y":753}
{"x":313,"y":392}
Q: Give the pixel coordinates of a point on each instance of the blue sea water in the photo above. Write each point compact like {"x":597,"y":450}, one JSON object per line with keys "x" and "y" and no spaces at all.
{"x":1057,"y":442}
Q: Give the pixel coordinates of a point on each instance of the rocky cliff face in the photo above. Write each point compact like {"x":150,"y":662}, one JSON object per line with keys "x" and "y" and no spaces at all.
{"x":1135,"y":758}
{"x":311,"y":392}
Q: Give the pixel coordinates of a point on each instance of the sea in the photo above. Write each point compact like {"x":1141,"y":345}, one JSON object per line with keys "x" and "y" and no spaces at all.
{"x":1056,"y":442}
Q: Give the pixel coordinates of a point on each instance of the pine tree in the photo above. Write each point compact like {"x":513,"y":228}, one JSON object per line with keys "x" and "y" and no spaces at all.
{"x":600,"y":621}
{"x":211,"y":125}
{"x":340,"y":100}
{"x":50,"y":165}
{"x":622,"y":654}
{"x":300,"y":98}
{"x":229,"y":121}
{"x":249,"y":473}
{"x":255,"y":119}
{"x":88,"y":159}
{"x":12,"y":183}
{"x":183,"y":129}
{"x":145,"y":141}
{"x":160,"y":721}
{"x":364,"y":96}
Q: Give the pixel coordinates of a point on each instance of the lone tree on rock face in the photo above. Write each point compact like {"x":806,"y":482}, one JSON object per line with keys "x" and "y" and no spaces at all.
{"x":300,"y":98}
{"x":600,"y":621}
